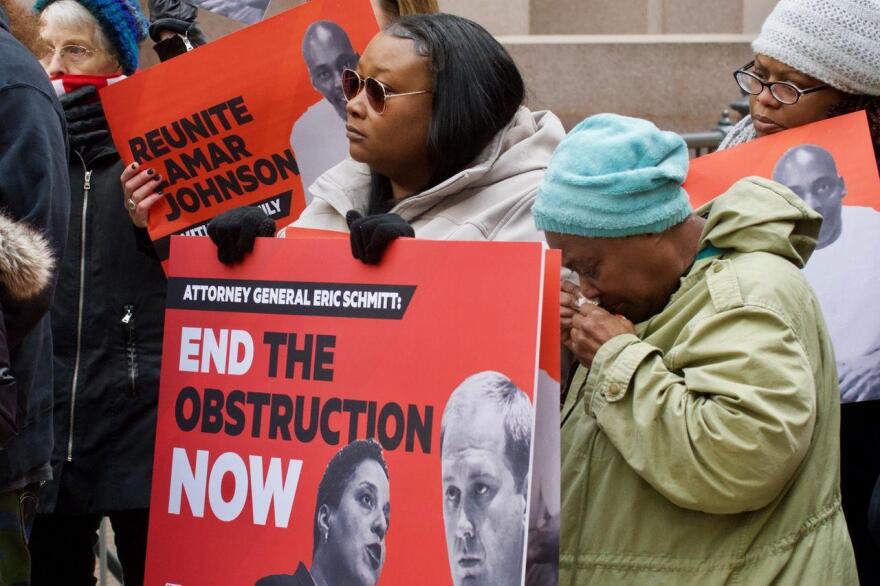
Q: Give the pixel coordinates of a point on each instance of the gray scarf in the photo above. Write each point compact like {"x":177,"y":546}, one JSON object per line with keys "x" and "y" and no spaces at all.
{"x":742,"y":133}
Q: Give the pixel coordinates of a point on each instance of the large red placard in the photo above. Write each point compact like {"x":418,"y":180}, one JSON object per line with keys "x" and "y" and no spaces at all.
{"x":383,"y":346}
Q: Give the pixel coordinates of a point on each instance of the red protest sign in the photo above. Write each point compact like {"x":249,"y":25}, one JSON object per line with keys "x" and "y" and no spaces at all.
{"x":272,"y":367}
{"x":831,"y":165}
{"x":249,"y":119}
{"x":845,"y":138}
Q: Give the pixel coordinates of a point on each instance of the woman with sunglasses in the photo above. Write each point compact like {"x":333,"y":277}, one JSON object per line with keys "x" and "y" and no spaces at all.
{"x":816,"y":59}
{"x":441,"y":147}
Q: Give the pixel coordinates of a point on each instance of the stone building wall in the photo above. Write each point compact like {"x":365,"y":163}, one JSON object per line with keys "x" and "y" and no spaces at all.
{"x":670,"y":61}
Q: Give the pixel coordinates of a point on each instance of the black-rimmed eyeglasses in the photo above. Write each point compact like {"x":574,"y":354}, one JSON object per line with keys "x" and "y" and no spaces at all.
{"x":784,"y":91}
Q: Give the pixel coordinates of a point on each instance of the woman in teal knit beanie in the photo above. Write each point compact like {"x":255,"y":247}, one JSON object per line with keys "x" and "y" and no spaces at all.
{"x":700,"y":432}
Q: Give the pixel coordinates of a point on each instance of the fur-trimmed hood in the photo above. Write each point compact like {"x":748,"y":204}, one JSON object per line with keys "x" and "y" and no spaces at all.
{"x":26,"y":261}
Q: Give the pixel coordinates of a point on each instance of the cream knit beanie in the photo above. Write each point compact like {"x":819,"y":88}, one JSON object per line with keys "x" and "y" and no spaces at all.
{"x":835,"y":41}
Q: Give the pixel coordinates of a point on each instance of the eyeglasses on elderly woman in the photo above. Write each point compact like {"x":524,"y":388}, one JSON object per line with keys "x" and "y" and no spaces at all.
{"x":68,"y":53}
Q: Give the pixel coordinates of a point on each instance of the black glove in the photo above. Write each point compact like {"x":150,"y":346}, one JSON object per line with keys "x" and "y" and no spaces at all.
{"x":177,"y":17}
{"x":86,"y":123}
{"x":371,"y":235}
{"x":235,"y":231}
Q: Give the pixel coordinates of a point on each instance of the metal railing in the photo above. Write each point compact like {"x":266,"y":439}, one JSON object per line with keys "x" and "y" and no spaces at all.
{"x":703,"y":143}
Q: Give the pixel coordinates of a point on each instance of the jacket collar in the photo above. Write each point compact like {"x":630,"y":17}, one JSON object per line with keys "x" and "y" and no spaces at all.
{"x":100,"y":150}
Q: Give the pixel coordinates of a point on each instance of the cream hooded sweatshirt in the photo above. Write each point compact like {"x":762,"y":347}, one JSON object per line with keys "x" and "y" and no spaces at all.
{"x":490,"y":200}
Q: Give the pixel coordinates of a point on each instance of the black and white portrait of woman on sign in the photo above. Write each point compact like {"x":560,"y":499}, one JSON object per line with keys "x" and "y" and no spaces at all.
{"x":352,"y":512}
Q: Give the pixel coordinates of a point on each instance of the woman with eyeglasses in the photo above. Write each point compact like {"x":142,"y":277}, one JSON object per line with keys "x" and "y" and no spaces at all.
{"x":816,"y":59}
{"x":107,"y":314}
{"x":441,"y":147}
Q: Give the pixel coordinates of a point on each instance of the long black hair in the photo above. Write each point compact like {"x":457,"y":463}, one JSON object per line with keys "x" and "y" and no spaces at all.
{"x":477,"y":90}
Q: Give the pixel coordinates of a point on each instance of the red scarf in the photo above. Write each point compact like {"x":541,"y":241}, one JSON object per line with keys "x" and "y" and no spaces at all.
{"x":64,"y":84}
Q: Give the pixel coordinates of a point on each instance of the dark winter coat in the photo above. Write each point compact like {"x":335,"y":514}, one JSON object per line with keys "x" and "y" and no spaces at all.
{"x":33,"y":189}
{"x":107,"y":323}
{"x":27,"y":269}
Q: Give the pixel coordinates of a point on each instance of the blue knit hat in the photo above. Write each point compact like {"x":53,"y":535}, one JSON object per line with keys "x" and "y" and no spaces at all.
{"x":614,"y":176}
{"x":123,"y":23}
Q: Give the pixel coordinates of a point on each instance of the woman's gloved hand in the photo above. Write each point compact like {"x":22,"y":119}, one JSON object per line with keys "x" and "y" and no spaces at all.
{"x":371,"y":235}
{"x":86,"y":123}
{"x":170,"y":22}
{"x":234,"y":232}
{"x":176,"y":16}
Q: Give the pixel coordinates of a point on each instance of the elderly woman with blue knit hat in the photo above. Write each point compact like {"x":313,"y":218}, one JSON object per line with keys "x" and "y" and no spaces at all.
{"x":107,"y":314}
{"x":701,"y":425}
{"x":816,"y":59}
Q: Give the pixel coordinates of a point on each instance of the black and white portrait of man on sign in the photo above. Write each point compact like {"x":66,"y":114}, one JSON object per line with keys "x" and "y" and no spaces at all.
{"x":844,"y":269}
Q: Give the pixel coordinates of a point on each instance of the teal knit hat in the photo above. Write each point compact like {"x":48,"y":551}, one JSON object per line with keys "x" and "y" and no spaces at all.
{"x":614,"y":176}
{"x":123,"y":23}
